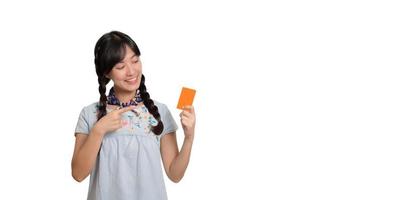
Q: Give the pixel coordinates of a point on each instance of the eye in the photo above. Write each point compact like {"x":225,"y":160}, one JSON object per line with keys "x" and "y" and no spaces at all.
{"x":120,"y":67}
{"x":135,"y":61}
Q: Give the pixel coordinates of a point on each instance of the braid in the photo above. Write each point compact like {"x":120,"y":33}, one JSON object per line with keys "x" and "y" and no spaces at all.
{"x":102,"y":105}
{"x":149,"y":103}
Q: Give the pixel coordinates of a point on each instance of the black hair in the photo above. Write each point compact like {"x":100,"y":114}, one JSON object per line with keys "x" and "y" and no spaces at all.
{"x":108,"y":51}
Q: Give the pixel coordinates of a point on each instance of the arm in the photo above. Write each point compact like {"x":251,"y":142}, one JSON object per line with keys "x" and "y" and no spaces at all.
{"x":85,"y":154}
{"x":87,"y":146}
{"x":176,"y":162}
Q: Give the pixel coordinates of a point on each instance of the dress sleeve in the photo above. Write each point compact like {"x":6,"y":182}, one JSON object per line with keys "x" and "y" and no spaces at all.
{"x":83,"y":123}
{"x":168,"y":121}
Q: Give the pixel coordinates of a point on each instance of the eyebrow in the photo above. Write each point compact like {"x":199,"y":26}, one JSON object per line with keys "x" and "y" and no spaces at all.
{"x":134,"y":55}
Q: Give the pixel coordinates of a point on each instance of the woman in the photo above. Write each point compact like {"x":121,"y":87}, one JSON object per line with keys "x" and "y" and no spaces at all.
{"x":121,"y":139}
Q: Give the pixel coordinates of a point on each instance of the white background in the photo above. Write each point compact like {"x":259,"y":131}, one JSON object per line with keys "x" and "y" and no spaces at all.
{"x":295,"y":99}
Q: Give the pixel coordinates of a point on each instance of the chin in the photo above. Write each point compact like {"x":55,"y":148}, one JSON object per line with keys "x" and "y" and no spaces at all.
{"x":132,"y":87}
{"x":129,"y":87}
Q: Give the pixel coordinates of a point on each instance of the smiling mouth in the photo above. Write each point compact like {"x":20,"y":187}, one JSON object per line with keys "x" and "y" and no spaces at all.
{"x":132,"y":81}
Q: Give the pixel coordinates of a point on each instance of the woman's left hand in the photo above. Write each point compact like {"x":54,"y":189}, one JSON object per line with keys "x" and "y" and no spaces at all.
{"x":188,"y":121}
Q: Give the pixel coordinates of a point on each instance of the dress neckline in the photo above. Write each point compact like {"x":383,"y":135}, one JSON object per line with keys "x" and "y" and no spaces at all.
{"x":139,"y":106}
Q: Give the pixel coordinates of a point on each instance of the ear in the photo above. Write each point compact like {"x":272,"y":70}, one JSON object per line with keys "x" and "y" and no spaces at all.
{"x":106,"y":75}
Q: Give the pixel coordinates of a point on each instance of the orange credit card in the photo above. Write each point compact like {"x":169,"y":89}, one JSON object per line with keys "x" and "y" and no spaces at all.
{"x":186,"y":97}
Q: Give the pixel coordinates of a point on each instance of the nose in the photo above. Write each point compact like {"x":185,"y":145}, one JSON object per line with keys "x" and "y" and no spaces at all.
{"x":131,"y":70}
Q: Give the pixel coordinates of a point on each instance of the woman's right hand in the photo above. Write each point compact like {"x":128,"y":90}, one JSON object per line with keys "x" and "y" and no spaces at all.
{"x":112,"y":120}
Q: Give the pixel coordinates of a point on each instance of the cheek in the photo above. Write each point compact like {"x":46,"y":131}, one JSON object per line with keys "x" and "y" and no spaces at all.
{"x":138,"y":65}
{"x":139,"y":68}
{"x":119,"y":76}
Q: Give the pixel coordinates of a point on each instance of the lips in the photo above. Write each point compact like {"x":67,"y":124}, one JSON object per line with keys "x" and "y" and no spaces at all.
{"x":132,"y":81}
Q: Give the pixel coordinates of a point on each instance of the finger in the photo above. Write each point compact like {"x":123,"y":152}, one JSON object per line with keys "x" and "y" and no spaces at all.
{"x":122,"y":123}
{"x":183,"y":118}
{"x":187,"y":114}
{"x":183,"y":121}
{"x":190,"y":119}
{"x":191,"y":110}
{"x":125,"y":109}
{"x":188,"y":108}
{"x":182,"y":113}
{"x":186,"y":124}
{"x":116,"y":125}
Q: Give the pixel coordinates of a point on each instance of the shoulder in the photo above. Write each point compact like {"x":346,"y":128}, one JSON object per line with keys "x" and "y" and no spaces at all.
{"x":160,"y":105}
{"x":89,"y":109}
{"x":92,"y":107}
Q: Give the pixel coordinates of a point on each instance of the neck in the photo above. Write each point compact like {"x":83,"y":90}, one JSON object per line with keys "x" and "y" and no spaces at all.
{"x":124,"y":96}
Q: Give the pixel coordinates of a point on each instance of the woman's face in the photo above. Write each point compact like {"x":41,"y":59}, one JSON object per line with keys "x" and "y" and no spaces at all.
{"x":127,"y":74}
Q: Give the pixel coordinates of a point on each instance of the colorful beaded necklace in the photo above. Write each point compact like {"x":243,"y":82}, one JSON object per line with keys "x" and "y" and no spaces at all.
{"x":112,"y":100}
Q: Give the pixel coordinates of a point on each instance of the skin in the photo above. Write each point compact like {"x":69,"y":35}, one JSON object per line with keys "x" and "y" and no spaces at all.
{"x":126,"y":76}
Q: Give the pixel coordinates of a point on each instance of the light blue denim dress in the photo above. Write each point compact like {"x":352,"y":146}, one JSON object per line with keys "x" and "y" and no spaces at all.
{"x":128,"y":165}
